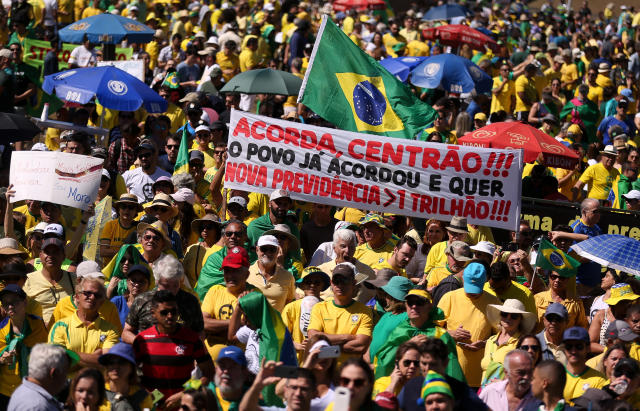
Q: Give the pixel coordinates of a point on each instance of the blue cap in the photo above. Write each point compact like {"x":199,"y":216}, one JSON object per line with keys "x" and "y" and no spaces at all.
{"x":575,"y":333}
{"x":234,"y":353}
{"x":628,"y":93}
{"x":122,"y":350}
{"x":139,"y":268}
{"x":474,"y":277}
{"x":14,"y":289}
{"x":557,"y":309}
{"x":398,"y":287}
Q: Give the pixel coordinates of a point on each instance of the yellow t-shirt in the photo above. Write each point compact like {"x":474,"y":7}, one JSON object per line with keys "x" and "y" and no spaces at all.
{"x":107,"y":311}
{"x":481,"y":233}
{"x":518,"y":292}
{"x":194,"y":260}
{"x":230,"y":63}
{"x":565,"y":188}
{"x":577,"y":384}
{"x":177,"y":117}
{"x":66,"y":6}
{"x":502,"y":100}
{"x":330,"y":318}
{"x":600,"y":180}
{"x":48,"y":295}
{"x":381,"y":385}
{"x":569,"y":74}
{"x":279,"y":290}
{"x":574,"y":306}
{"x":219,"y":303}
{"x":72,"y":334}
{"x":595,"y":94}
{"x":385,"y":264}
{"x":604,"y":81}
{"x":115,"y":233}
{"x":10,"y":377}
{"x":436,"y":256}
{"x":248,"y":59}
{"x":370,"y":257}
{"x":460,"y":310}
{"x":436,"y":275}
{"x":417,"y":48}
{"x":528,"y":87}
{"x":495,"y":353}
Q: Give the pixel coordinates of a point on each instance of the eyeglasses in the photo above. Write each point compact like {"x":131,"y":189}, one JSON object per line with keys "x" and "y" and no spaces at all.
{"x":232,"y":233}
{"x":269,"y":249}
{"x":88,"y":294}
{"x":172,"y":311}
{"x":513,"y":316}
{"x":576,"y":346}
{"x":219,"y":153}
{"x":554,"y":277}
{"x":172,"y":146}
{"x":159,"y":209}
{"x":530,"y":347}
{"x":407,"y":363}
{"x":357,"y":382}
{"x":418,"y":302}
{"x":152,"y":238}
{"x":553,"y":318}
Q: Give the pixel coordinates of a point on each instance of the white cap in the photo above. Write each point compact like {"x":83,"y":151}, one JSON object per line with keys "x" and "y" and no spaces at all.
{"x":202,"y":127}
{"x":133,"y":8}
{"x":105,"y":173}
{"x":280,"y":193}
{"x":343,"y":225}
{"x":268,"y":7}
{"x":237,"y":200}
{"x":87,"y":267}
{"x":212,"y":40}
{"x":484,"y":247}
{"x":632,"y":195}
{"x":55,"y":229}
{"x":41,"y":226}
{"x":268,"y":240}
{"x":39,"y":147}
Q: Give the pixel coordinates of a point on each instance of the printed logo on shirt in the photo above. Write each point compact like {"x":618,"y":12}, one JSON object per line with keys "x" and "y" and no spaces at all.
{"x":585,"y":386}
{"x":355,"y":318}
{"x":381,"y":259}
{"x":180,"y":349}
{"x":225,"y":312}
{"x":103,"y":337}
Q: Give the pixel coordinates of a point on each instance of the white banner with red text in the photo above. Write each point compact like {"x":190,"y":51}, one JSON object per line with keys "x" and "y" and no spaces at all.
{"x":348,"y":169}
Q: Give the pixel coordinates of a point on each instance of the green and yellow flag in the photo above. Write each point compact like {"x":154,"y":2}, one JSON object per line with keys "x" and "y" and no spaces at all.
{"x":182,"y":162}
{"x":350,"y":89}
{"x":552,"y":258}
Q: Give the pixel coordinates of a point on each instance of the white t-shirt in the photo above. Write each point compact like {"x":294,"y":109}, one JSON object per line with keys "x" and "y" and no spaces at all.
{"x":82,"y":57}
{"x":141,"y":184}
{"x":252,"y":348}
{"x":50,"y":6}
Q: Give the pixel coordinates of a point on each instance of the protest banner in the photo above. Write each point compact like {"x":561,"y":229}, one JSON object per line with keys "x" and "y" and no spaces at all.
{"x":133,"y":67}
{"x":344,"y":168}
{"x":36,"y":50}
{"x":62,"y":178}
{"x":94,"y":228}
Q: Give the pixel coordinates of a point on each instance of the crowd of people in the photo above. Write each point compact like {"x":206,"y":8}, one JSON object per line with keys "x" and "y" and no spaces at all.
{"x":198,"y":297}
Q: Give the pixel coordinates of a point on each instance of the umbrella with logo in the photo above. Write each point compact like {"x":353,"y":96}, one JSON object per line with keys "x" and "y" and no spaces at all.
{"x":515,"y":135}
{"x":107,"y":28}
{"x":445,"y":12}
{"x":456,"y":35}
{"x":114,"y":88}
{"x":401,"y":66}
{"x":451,"y":72}
{"x":611,"y":250}
{"x":264,"y":81}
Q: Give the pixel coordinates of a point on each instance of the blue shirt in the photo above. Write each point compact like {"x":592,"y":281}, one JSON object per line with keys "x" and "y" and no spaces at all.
{"x":32,"y":397}
{"x":589,"y":273}
{"x":627,"y":126}
{"x":120,"y":302}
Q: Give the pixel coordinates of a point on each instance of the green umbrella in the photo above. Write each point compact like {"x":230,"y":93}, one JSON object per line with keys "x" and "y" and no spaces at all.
{"x":264,"y":81}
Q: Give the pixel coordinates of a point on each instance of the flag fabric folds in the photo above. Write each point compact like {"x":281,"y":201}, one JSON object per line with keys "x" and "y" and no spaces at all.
{"x":182,"y":162}
{"x":347,"y":87}
{"x":552,"y":258}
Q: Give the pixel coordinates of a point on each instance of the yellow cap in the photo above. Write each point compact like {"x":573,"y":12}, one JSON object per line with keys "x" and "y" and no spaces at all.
{"x":574,"y":129}
{"x":419,"y":293}
{"x":480,"y":116}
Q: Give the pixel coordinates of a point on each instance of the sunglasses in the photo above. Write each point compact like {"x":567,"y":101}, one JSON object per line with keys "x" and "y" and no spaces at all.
{"x":553,"y":318}
{"x":530,"y":347}
{"x":88,"y":294}
{"x":172,"y":311}
{"x":219,"y":153}
{"x":418,"y":302}
{"x":556,"y":278}
{"x":144,"y":155}
{"x":159,"y":209}
{"x":137,"y":280}
{"x":357,"y":382}
{"x":150,"y":237}
{"x":172,"y":146}
{"x":340,"y":280}
{"x":313,"y":282}
{"x":208,"y":227}
{"x":577,"y":346}
{"x":407,"y":363}
{"x":232,"y":233}
{"x":268,"y":249}
{"x":128,"y":207}
{"x":513,"y":316}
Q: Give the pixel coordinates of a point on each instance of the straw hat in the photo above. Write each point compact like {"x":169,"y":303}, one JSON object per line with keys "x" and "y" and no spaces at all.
{"x":512,"y":306}
{"x":208,"y":218}
{"x":127,"y":198}
{"x":283,"y":229}
{"x":9,"y":246}
{"x":158,"y":227}
{"x":162,"y":200}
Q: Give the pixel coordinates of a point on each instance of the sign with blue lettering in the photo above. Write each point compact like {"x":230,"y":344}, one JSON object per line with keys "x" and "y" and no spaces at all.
{"x":62,"y":178}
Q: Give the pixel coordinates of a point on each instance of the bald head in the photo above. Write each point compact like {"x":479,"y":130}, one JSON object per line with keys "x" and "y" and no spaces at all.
{"x":588,"y":204}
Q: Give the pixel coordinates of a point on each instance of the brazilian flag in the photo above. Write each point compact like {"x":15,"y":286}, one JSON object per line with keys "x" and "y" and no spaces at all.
{"x":350,"y":89}
{"x":552,"y":258}
{"x":171,"y":80}
{"x":182,"y":162}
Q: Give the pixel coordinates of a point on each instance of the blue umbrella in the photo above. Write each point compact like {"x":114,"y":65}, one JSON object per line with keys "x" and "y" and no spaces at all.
{"x":107,"y":28}
{"x":401,"y":66}
{"x":611,"y":250}
{"x":115,"y":89}
{"x":445,"y":12}
{"x":453,"y":73}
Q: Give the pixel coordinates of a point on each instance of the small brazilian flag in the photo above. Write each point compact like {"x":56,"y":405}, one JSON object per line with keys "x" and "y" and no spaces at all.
{"x":552,"y":258}
{"x":182,"y":162}
{"x":348,"y":88}
{"x":171,"y":80}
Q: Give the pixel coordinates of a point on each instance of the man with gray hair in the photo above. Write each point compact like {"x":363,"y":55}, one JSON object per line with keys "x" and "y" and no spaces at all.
{"x":514,"y":392}
{"x":169,"y":275}
{"x":48,"y":368}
